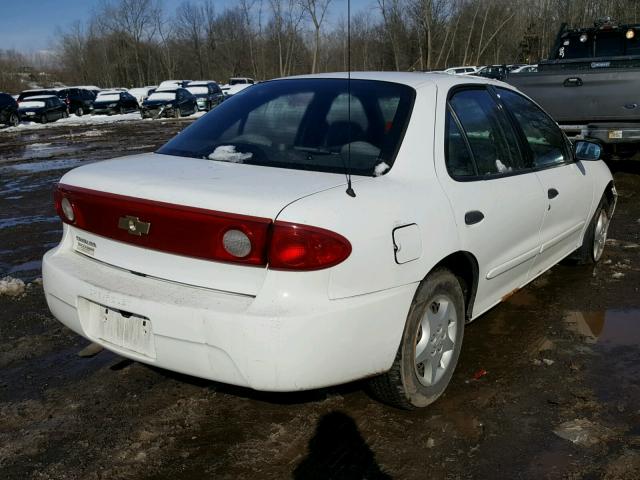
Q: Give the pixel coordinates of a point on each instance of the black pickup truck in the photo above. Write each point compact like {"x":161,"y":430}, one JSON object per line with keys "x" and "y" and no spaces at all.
{"x":591,"y":85}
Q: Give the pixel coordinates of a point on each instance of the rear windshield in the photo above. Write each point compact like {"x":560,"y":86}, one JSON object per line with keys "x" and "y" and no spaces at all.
{"x":36,"y":93}
{"x":199,"y":90}
{"x":304,"y":124}
{"x":108,"y":97}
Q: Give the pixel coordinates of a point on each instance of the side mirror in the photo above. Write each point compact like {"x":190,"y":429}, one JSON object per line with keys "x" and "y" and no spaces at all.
{"x":587,"y":151}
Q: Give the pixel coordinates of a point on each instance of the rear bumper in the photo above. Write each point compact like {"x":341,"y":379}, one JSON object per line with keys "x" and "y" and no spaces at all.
{"x":257,"y":342}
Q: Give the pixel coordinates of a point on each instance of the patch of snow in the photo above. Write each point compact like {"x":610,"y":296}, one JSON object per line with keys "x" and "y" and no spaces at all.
{"x":380,"y":169}
{"x":227,"y":153}
{"x":617,"y":275}
{"x":31,"y":104}
{"x":108,"y":97}
{"x":196,"y":90}
{"x":11,"y":287}
{"x":170,"y":95}
{"x":37,"y":146}
{"x":502,"y":168}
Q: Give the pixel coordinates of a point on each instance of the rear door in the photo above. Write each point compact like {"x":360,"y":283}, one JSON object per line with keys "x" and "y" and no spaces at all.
{"x":497,"y":200}
{"x":567,"y":186}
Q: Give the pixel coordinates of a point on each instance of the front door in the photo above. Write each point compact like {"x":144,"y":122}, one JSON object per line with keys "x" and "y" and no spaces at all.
{"x":496,"y":199}
{"x":568,"y":188}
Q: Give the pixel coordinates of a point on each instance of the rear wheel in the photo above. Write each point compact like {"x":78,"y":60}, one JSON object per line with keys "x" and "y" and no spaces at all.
{"x":14,"y":120}
{"x":44,"y":118}
{"x":79,"y":111}
{"x":595,"y":237}
{"x":122,"y":111}
{"x":430,"y":345}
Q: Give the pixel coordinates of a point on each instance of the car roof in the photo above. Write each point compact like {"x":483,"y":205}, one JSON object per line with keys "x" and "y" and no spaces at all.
{"x":417,"y":80}
{"x":200,"y":83}
{"x":109,"y":92}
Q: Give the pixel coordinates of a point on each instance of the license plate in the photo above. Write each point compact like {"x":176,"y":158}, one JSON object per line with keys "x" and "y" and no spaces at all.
{"x":126,"y":330}
{"x":613,"y":134}
{"x":30,"y":114}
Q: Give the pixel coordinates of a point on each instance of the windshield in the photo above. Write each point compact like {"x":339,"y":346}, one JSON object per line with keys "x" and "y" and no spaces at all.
{"x":108,"y":97}
{"x":304,"y":124}
{"x":165,"y":95}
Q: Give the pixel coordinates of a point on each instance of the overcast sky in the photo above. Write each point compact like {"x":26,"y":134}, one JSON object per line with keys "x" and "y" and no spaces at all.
{"x":30,"y":25}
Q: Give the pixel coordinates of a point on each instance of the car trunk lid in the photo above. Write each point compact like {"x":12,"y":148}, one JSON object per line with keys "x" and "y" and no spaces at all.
{"x":164,"y":216}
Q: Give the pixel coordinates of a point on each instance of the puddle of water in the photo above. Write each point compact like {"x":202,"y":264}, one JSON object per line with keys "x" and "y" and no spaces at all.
{"x":16,"y":221}
{"x":610,"y":328}
{"x":33,"y":265}
{"x":41,"y":166}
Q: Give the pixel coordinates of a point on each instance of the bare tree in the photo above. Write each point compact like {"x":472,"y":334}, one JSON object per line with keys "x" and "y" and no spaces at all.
{"x":317,"y":9}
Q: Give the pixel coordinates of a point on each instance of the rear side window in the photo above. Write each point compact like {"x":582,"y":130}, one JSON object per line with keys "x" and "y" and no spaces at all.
{"x":545,"y":139}
{"x":459,"y":161}
{"x":493,"y":143}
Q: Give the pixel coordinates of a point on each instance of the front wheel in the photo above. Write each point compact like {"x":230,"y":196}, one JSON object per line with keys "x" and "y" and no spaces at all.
{"x":44,"y":118}
{"x":430,"y":345}
{"x":79,"y":111}
{"x":595,"y":237}
{"x":14,"y":120}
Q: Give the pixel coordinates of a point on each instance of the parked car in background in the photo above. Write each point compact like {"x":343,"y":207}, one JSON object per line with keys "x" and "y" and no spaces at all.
{"x":244,"y":228}
{"x":236,"y":85}
{"x":37,"y":92}
{"x":92,"y":88}
{"x":173,"y":84}
{"x":526,"y":69}
{"x":114,"y":101}
{"x":590,"y":84}
{"x":142,"y":93}
{"x":176,"y":102}
{"x":461,"y":70}
{"x":8,"y":110}
{"x":43,"y":109}
{"x":208,"y":94}
{"x":78,"y":100}
{"x":515,"y":66}
{"x":496,"y":72}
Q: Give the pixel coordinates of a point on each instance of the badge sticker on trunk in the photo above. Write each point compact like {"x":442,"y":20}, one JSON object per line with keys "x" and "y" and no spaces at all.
{"x":82,"y":245}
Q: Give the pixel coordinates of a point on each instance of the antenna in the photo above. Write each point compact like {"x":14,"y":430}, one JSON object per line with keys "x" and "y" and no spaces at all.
{"x":350,"y":190}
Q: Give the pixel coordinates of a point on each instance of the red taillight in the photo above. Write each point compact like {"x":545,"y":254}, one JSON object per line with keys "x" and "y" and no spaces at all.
{"x":189,"y":231}
{"x":200,"y":233}
{"x":302,"y":247}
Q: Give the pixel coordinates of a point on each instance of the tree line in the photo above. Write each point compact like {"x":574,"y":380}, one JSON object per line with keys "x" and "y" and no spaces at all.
{"x":137,"y":42}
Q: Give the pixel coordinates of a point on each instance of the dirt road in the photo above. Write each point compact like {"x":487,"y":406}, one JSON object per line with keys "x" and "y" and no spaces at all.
{"x":562,"y":355}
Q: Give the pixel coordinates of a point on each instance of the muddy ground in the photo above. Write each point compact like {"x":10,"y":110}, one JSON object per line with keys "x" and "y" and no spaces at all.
{"x":564,"y":349}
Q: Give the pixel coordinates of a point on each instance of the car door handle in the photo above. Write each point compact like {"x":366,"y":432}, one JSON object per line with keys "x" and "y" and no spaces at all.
{"x":473,"y":217}
{"x":552,"y":193}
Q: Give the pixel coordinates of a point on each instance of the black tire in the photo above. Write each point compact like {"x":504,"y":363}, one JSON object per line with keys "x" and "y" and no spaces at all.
{"x":586,"y":254}
{"x":401,"y":387}
{"x":122,"y":111}
{"x":79,"y":111}
{"x":65,"y":114}
{"x":14,"y":120}
{"x":177,"y":113}
{"x":43,"y":118}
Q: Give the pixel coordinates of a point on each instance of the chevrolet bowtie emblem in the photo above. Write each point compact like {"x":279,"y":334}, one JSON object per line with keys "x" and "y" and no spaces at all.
{"x":134,"y":226}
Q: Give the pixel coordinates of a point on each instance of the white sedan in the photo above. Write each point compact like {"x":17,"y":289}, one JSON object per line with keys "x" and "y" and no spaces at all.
{"x":238,"y":252}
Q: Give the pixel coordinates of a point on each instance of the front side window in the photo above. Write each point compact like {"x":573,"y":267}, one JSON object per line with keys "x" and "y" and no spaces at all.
{"x":304,"y":124}
{"x":544,"y":138}
{"x":493,"y":143}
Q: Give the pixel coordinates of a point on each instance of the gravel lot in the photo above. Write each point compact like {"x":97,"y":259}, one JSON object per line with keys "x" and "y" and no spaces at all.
{"x":560,"y":359}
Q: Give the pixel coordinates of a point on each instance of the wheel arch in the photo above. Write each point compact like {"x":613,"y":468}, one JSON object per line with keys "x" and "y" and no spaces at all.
{"x":463,"y":265}
{"x":612,"y":197}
